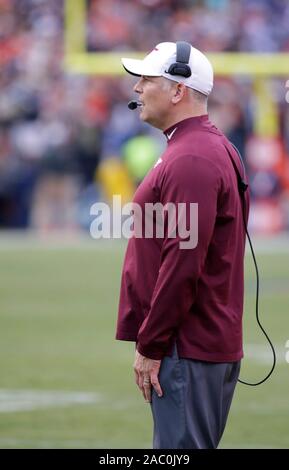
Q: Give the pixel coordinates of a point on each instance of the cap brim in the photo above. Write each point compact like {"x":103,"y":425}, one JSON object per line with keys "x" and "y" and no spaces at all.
{"x":138,"y":68}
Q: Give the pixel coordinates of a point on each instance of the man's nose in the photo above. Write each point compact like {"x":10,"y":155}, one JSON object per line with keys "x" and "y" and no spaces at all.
{"x":137,"y":87}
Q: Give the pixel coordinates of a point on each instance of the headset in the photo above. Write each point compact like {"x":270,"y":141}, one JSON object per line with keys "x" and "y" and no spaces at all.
{"x":242,"y":187}
{"x":181,"y":67}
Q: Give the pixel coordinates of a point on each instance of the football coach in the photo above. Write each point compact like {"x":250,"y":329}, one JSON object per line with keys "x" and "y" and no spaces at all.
{"x":183,"y":307}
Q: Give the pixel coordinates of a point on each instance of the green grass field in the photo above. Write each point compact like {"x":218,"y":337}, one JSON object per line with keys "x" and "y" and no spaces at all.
{"x":66,"y":383}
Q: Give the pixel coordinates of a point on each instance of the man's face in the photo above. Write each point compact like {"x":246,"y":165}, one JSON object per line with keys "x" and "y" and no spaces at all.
{"x":155,"y":95}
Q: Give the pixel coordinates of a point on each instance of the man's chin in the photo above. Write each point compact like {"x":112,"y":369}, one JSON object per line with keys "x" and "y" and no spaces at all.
{"x":149,"y":120}
{"x":144,"y":116}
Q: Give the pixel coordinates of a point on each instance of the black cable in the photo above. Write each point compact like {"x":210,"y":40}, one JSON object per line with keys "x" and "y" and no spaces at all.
{"x":257,"y":313}
{"x":242,"y":185}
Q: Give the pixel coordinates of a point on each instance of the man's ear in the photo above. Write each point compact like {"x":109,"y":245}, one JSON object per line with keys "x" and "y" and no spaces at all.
{"x":179,"y":92}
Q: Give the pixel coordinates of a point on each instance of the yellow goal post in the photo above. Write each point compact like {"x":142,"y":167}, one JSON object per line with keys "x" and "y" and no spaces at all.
{"x":260,"y":67}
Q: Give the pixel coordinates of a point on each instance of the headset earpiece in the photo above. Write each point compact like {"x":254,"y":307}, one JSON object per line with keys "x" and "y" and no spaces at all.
{"x":181,"y":67}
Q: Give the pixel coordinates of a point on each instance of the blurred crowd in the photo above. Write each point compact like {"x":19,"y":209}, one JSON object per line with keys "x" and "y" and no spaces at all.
{"x":58,"y":130}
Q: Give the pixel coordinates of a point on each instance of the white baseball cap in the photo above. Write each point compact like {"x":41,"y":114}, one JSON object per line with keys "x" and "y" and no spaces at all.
{"x":157,"y":63}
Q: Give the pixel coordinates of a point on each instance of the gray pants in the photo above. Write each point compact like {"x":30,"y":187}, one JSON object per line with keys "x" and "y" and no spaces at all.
{"x":193,"y":411}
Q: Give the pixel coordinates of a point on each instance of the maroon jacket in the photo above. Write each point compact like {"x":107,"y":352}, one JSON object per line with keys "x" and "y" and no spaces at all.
{"x":193,"y":297}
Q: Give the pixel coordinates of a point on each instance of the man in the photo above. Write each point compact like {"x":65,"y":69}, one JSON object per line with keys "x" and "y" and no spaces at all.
{"x":183,"y":307}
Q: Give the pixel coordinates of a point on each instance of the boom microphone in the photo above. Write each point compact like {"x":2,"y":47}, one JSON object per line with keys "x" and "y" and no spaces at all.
{"x":133,"y":104}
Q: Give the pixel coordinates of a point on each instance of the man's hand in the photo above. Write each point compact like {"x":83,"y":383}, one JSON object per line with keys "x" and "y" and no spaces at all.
{"x":146,"y":375}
